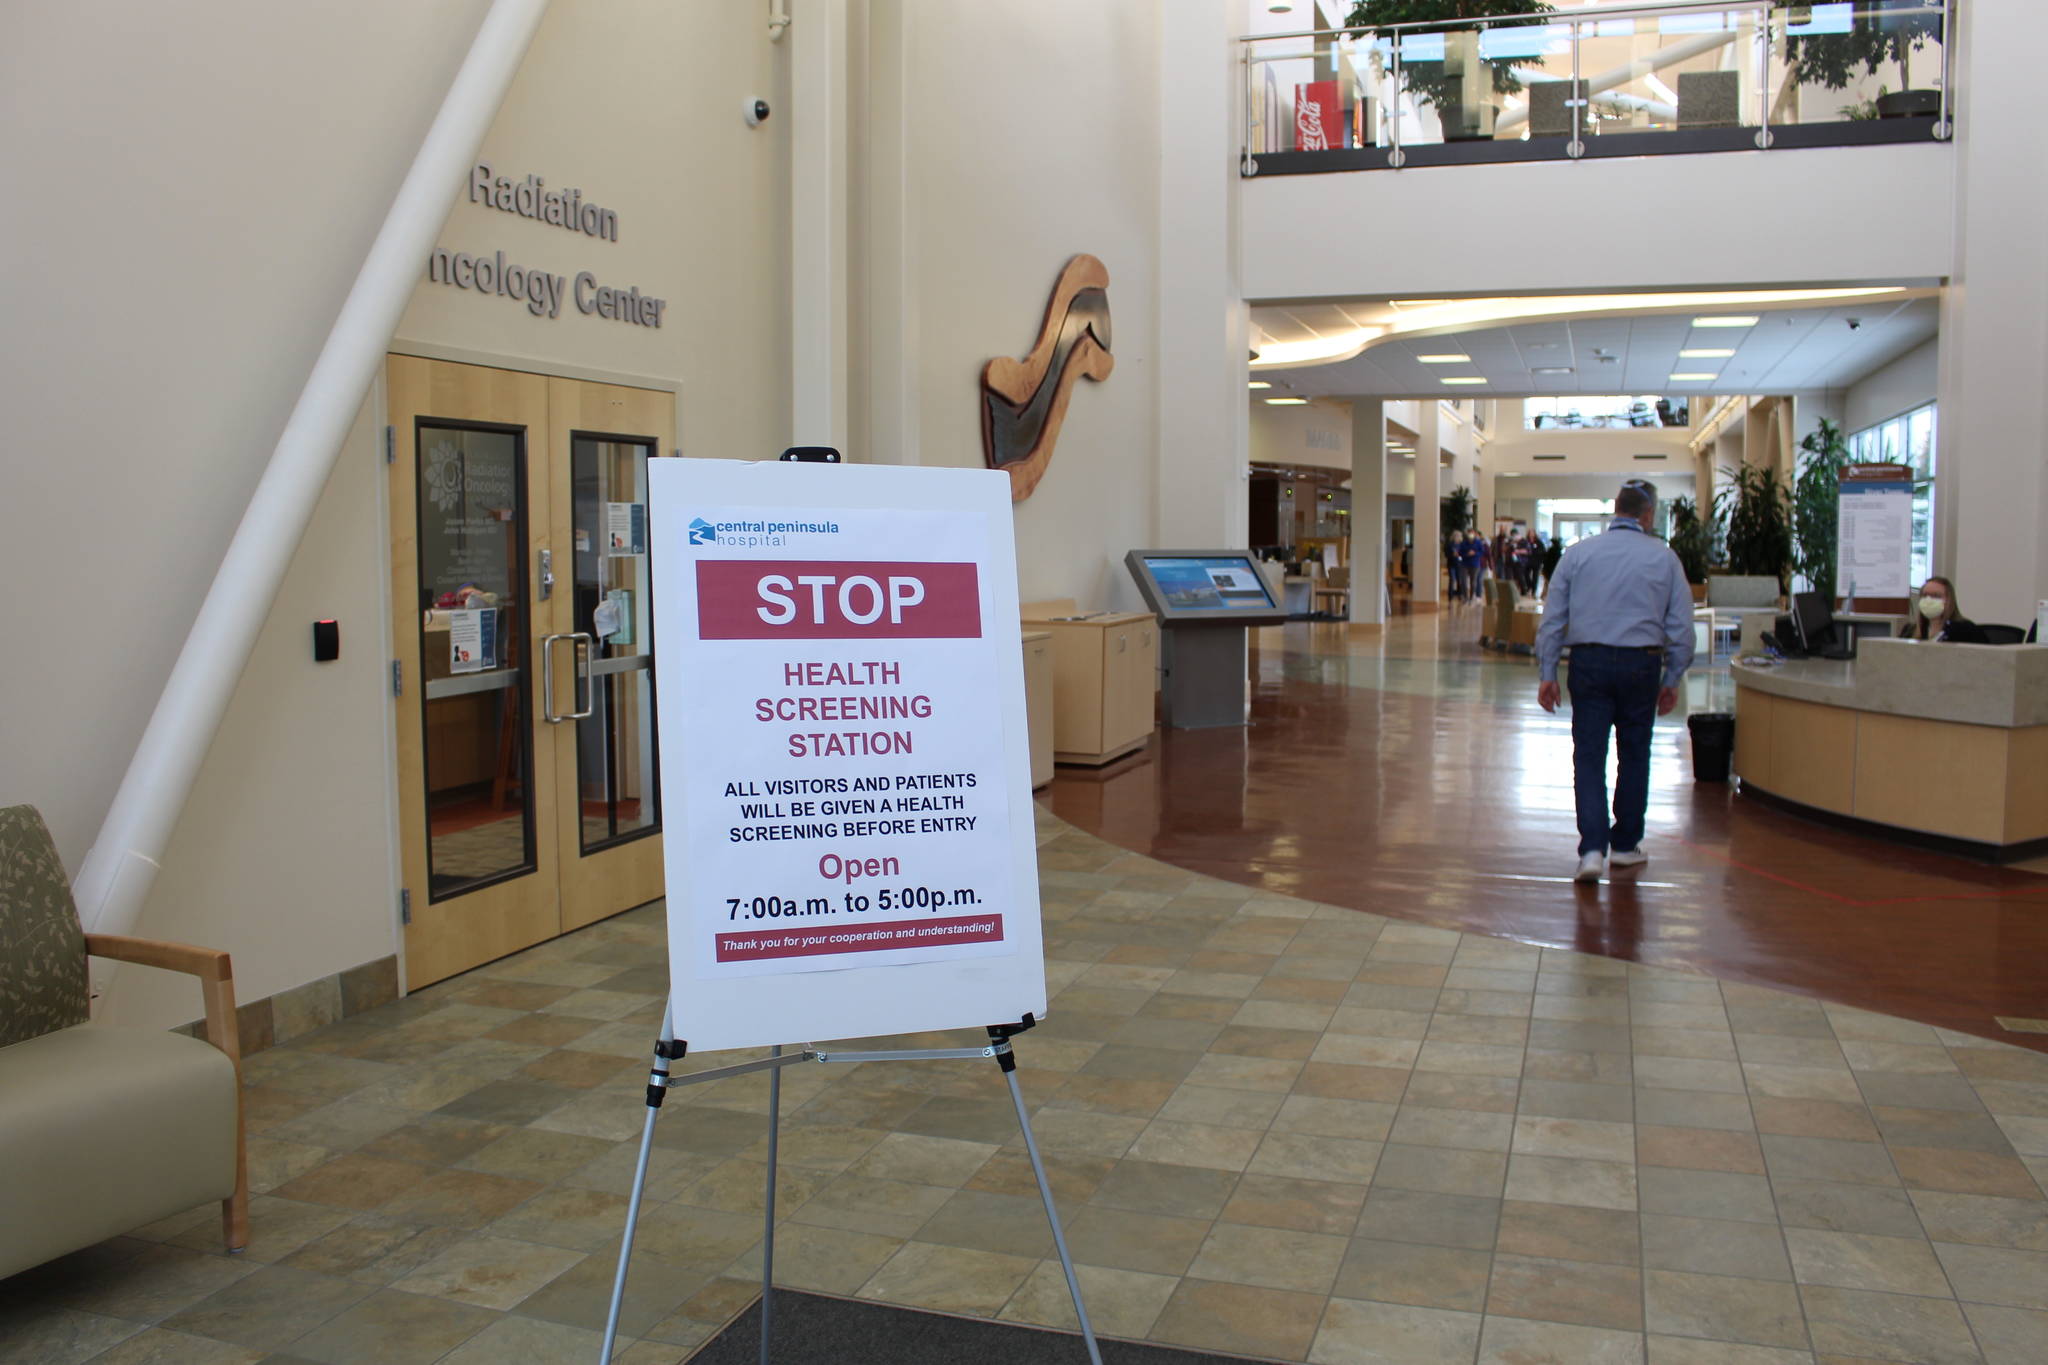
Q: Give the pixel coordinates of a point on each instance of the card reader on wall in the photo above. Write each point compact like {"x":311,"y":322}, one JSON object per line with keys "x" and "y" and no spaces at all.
{"x":326,"y":641}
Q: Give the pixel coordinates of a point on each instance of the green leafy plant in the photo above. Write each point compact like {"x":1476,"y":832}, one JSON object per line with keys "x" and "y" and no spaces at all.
{"x":1755,"y":517}
{"x":1426,"y":79}
{"x":1692,"y":539}
{"x":1457,"y":509}
{"x":1880,"y":31}
{"x":1815,"y":495}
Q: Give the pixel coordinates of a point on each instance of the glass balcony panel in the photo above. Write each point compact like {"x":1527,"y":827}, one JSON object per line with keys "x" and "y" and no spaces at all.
{"x":1856,"y":61}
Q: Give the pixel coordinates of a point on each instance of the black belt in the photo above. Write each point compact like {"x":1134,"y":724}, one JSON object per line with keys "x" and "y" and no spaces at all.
{"x":1658,"y":650}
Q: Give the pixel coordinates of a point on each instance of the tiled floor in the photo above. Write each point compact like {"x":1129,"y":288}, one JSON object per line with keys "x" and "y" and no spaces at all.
{"x":1274,"y":1127}
{"x":1413,"y":770}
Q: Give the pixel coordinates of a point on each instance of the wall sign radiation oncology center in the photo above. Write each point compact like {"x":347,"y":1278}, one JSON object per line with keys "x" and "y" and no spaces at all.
{"x":848,"y":832}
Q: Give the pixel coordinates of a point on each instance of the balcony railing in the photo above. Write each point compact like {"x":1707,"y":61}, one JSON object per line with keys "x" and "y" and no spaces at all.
{"x":1634,"y":80}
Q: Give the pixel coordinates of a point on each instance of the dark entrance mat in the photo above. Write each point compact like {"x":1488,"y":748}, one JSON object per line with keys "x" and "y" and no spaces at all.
{"x":815,"y":1329}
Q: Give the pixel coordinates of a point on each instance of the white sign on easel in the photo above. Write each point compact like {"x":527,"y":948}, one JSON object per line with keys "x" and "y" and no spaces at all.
{"x":846,"y":802}
{"x":1874,"y":531}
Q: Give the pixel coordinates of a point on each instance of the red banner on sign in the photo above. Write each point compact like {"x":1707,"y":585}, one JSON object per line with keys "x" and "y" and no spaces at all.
{"x":1318,"y":117}
{"x":859,"y":938}
{"x":813,"y":599}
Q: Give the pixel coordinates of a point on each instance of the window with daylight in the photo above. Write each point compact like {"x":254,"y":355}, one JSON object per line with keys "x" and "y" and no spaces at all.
{"x":1907,"y":439}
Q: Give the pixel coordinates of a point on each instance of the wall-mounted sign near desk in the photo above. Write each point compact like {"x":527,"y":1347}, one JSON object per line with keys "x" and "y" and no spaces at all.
{"x":542,"y":291}
{"x":1874,"y":533}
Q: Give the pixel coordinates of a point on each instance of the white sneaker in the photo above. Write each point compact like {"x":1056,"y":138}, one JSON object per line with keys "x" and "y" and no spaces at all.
{"x":1633,"y":857}
{"x":1590,"y":867}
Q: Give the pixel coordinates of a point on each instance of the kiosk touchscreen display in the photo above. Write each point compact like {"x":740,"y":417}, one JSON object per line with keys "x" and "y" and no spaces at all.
{"x":1209,"y":583}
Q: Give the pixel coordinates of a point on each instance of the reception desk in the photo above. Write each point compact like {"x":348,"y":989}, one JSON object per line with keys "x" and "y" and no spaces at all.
{"x":1946,"y":741}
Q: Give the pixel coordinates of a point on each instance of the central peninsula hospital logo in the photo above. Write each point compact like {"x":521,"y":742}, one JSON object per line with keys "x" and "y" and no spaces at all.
{"x":703,"y":532}
{"x":1024,"y":401}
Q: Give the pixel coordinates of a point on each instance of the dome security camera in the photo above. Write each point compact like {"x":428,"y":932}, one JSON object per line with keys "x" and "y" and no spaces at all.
{"x":1854,"y":323}
{"x":757,"y":112}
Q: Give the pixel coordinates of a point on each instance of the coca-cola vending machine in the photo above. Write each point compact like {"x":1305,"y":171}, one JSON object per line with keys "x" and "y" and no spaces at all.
{"x":1318,"y":117}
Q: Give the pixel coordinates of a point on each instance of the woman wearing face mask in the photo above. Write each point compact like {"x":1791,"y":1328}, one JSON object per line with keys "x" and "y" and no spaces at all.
{"x":1936,"y":616}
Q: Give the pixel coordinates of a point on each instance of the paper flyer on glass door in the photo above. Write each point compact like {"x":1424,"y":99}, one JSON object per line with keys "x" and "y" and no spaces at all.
{"x":853,"y":786}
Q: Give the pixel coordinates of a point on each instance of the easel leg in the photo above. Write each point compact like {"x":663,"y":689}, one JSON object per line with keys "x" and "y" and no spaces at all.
{"x":768,"y":1231}
{"x":657,"y":1091}
{"x":1052,"y":1214}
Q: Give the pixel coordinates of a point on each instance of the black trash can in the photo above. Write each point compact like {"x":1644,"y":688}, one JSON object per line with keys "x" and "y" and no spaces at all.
{"x":1713,"y":745}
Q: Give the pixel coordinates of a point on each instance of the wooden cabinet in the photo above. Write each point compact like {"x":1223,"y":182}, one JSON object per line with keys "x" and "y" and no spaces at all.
{"x":1038,"y":687}
{"x":1105,"y":675}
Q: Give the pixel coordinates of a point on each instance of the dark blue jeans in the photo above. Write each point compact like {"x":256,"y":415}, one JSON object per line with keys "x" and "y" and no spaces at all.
{"x":1612,"y":689}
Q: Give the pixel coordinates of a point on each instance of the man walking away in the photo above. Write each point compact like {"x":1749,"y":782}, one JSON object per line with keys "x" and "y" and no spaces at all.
{"x":1620,"y":601}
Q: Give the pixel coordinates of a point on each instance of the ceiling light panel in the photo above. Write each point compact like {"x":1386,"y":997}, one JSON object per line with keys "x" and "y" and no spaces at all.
{"x":1725,"y":322}
{"x":1676,"y":379}
{"x":1444,"y":359}
{"x":1286,"y":402}
{"x":1464,"y":379}
{"x":1706,"y":353}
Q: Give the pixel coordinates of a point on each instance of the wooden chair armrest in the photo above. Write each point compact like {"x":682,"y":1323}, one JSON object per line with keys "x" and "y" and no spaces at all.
{"x":212,"y":966}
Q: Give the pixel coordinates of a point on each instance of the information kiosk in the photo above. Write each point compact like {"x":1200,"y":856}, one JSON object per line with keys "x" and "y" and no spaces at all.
{"x":1204,"y":600}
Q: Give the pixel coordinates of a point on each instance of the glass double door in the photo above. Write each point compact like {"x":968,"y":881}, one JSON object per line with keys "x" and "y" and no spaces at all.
{"x":523,"y":639}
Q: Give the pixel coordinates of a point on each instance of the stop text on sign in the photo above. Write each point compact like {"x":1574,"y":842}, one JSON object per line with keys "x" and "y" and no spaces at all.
{"x":809,"y":599}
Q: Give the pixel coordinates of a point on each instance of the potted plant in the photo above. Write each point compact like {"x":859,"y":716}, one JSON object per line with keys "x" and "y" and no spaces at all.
{"x":1693,"y":541}
{"x":1880,"y":31}
{"x":1756,"y":523}
{"x":1444,"y":83}
{"x":1816,"y":494}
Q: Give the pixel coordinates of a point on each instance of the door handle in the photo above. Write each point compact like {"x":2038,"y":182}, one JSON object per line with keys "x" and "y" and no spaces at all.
{"x":585,"y":687}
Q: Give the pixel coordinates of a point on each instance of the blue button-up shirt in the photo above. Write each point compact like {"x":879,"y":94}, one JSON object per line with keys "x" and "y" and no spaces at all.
{"x":1623,"y":588}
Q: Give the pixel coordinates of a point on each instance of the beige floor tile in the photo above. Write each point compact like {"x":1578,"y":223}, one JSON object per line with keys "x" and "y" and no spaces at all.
{"x":1850,"y":1322}
{"x":1814,"y":1118}
{"x":530,"y":1342}
{"x":1514,"y":1341}
{"x":1694,"y":1109}
{"x":1075,"y":1133}
{"x":343,"y":1125}
{"x":1714,"y":1246}
{"x":1689,"y":1073}
{"x":1239,"y":1318}
{"x":923,"y":1160}
{"x":581,"y":1296}
{"x":1997,"y":1275}
{"x":1271,"y":1258}
{"x":1566,"y":1232}
{"x":1809,"y":1158}
{"x":389,"y":1326}
{"x":269,"y":1309}
{"x":1853,"y":1260}
{"x":60,"y":1336}
{"x":1196,"y":1144}
{"x":1477,"y":1130}
{"x":1700,"y":1149}
{"x":1491,"y":1030}
{"x":1124,"y":1240}
{"x":1927,"y":1168}
{"x":864,"y":1204}
{"x":1983,"y":1220}
{"x":1303,"y":1156}
{"x":1693,"y":1351}
{"x":1706,"y":1194}
{"x":1302,"y":1205}
{"x":1443,"y":1170}
{"x":1227,"y":1108}
{"x":2008,"y":1336}
{"x":148,"y":1285}
{"x":1171,"y":1189}
{"x":1344,"y":1049}
{"x":948,"y":1279}
{"x":1577,"y":1100}
{"x":1570,"y":1180}
{"x":1485,"y":1094}
{"x":159,"y":1347}
{"x":1419,"y":1276}
{"x":1757,"y":1312}
{"x":277,"y":1228}
{"x":1583,"y":1292}
{"x":490,"y":1272}
{"x":1582,"y":1138}
{"x":1121,"y":1303}
{"x":1431,"y":1219}
{"x":1367,"y":1120}
{"x":1355,"y":1333}
{"x":1872,"y":1209}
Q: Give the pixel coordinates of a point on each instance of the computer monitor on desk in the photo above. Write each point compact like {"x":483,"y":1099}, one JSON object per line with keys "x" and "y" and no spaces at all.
{"x":1816,"y":626}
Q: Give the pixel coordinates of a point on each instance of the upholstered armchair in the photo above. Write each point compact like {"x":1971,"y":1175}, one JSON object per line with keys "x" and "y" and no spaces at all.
{"x":102,"y":1129}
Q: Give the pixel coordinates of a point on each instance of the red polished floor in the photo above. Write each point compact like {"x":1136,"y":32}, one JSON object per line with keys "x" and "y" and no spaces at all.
{"x":1414,"y":776}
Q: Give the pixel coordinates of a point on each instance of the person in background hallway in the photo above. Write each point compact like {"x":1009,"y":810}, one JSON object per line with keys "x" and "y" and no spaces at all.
{"x":1535,"y":559}
{"x":1620,"y":601}
{"x":1486,"y":563}
{"x":1936,"y":615}
{"x":1451,"y":566}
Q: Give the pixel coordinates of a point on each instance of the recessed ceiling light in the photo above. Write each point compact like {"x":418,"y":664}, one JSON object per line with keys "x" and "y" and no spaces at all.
{"x":1707,"y":353}
{"x":1443,"y":359}
{"x":1724,"y":322}
{"x":1465,"y":379}
{"x":1511,"y":474}
{"x":1286,"y":402}
{"x":1676,"y":379}
{"x":1259,"y":384}
{"x":1552,"y":369}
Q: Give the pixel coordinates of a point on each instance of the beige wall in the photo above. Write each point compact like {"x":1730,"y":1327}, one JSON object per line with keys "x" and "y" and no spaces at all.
{"x":204,"y":249}
{"x":1316,"y":434}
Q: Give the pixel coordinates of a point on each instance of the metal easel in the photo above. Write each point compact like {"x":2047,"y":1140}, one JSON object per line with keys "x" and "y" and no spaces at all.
{"x":668,"y":1048}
